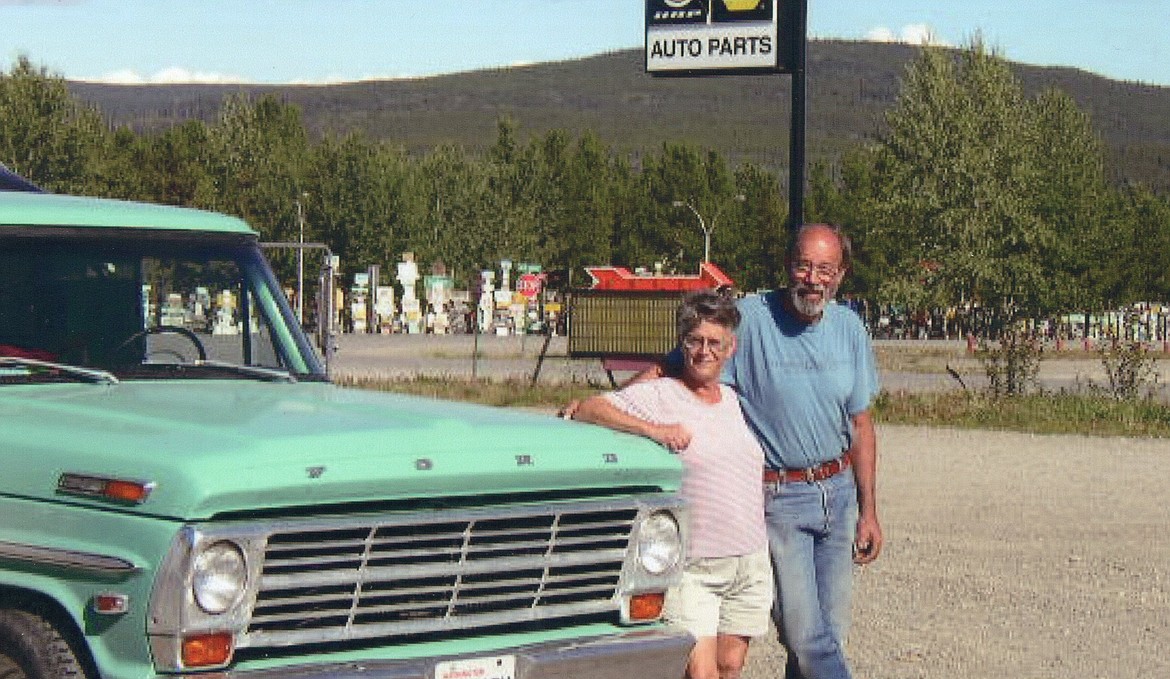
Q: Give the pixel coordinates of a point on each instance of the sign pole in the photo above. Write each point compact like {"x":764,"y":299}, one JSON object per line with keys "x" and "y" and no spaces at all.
{"x":796,"y":159}
{"x":725,"y":37}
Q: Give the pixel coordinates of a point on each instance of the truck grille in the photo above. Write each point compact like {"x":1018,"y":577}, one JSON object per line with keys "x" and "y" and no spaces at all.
{"x":443,"y":572}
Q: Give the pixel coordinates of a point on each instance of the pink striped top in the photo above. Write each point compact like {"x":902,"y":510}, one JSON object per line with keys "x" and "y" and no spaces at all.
{"x":722,"y":466}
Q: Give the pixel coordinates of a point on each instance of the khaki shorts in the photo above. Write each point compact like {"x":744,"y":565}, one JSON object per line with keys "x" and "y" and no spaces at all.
{"x":723,"y":595}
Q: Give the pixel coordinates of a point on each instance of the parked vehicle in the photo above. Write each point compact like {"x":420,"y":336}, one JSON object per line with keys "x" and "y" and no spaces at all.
{"x":185,"y":491}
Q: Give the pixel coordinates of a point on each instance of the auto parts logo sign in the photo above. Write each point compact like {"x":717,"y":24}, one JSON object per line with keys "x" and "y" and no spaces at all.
{"x":698,"y":35}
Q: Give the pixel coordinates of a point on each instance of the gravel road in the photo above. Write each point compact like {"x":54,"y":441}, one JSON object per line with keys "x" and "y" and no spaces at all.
{"x":906,"y":365}
{"x":1007,"y":555}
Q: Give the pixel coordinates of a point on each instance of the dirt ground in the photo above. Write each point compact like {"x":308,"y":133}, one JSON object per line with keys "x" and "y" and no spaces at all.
{"x":1012,"y":555}
{"x":1007,"y":555}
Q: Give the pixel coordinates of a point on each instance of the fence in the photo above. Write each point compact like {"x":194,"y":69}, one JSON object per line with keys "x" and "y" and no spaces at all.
{"x":1148,"y":322}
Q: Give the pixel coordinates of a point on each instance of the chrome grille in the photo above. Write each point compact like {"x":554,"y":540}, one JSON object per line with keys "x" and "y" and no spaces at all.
{"x":442,"y":572}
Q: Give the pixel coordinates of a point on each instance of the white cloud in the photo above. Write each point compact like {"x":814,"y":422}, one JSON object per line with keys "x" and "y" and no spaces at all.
{"x":911,"y":34}
{"x":167,"y":76}
{"x":178,"y":76}
{"x":881,"y":34}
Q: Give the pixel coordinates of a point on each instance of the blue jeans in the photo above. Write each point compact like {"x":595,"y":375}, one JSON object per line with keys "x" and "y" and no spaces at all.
{"x":811,"y":528}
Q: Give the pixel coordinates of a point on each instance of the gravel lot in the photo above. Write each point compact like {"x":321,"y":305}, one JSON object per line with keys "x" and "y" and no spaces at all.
{"x":1007,"y":555}
{"x":1011,"y":555}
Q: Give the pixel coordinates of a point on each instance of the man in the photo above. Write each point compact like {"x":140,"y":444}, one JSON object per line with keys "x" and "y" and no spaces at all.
{"x":806,"y":377}
{"x":726,"y":588}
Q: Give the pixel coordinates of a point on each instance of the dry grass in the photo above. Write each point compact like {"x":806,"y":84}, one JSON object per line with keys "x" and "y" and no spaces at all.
{"x":511,"y":393}
{"x":1052,"y":413}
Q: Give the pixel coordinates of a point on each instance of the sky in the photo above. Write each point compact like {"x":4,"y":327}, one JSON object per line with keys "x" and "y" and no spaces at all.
{"x":328,"y":41}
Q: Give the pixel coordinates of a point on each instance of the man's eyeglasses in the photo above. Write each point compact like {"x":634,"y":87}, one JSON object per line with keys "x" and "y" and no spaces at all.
{"x":694,"y":343}
{"x":822,"y":271}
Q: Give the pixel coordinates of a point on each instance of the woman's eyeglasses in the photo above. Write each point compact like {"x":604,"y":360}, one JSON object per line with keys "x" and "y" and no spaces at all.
{"x":696,"y":343}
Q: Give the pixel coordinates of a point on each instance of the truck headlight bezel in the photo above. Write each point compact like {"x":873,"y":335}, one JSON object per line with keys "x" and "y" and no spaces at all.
{"x":205,"y":589}
{"x":654,"y":562}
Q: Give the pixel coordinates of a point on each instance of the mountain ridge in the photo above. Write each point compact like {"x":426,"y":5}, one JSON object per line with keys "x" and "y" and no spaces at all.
{"x":850,"y":86}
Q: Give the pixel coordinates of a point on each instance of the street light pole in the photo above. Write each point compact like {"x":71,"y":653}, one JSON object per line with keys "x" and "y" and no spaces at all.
{"x":702,"y":225}
{"x":739,"y":198}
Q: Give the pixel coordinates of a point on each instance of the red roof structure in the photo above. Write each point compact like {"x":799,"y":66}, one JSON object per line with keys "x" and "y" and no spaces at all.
{"x":621,"y":278}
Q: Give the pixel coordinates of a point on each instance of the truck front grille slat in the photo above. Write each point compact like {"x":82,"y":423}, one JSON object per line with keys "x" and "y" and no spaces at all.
{"x":445,"y":572}
{"x":309,"y":576}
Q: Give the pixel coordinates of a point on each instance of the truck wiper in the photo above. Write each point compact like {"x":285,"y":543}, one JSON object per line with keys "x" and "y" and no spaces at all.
{"x":87,"y":374}
{"x":249,"y":370}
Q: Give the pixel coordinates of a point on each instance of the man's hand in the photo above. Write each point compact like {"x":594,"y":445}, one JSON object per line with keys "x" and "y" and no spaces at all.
{"x":868,"y":542}
{"x":675,"y":437}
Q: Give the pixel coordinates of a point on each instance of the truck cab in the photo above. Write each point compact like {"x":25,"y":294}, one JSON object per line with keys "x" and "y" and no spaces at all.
{"x":186,"y":492}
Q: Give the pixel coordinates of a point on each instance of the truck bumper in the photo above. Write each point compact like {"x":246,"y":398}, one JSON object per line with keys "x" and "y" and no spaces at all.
{"x":659,"y":653}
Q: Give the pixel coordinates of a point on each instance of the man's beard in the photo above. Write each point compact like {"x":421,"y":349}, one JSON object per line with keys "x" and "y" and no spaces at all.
{"x":810,"y":308}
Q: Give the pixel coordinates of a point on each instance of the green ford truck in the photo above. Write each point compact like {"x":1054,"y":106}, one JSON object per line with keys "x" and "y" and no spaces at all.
{"x":185,"y":492}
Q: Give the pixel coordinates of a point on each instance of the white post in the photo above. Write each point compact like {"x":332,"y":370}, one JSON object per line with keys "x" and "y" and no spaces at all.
{"x":301,"y":263}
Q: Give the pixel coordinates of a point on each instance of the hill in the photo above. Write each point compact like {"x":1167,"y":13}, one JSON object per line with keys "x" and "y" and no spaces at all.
{"x":850,"y":86}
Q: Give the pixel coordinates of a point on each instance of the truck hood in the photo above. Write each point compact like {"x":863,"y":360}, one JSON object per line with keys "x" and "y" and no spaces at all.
{"x":215,"y":447}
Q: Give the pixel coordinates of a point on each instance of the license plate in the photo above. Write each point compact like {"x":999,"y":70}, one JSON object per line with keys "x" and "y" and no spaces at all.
{"x":492,"y":667}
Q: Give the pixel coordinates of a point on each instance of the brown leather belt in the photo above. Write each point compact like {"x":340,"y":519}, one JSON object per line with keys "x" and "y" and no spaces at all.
{"x":810,"y":475}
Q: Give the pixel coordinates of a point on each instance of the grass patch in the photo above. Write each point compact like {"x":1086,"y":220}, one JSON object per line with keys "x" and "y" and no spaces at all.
{"x":1053,"y":413}
{"x":511,"y":393}
{"x":916,"y":360}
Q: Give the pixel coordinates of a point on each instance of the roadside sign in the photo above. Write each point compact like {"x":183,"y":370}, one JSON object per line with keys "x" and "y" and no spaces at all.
{"x":727,"y":36}
{"x":529,"y":284}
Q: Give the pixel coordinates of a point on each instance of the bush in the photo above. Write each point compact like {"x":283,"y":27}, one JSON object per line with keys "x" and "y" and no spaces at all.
{"x":1129,"y":367}
{"x":1012,"y":362}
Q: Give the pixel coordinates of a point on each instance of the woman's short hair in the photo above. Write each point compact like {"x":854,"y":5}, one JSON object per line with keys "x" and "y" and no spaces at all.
{"x":707,"y":305}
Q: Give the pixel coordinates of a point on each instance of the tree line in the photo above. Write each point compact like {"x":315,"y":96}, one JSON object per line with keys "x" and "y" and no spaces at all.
{"x":975,"y":194}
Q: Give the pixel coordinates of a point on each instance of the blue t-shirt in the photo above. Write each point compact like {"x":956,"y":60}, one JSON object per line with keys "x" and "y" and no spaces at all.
{"x":800,"y":384}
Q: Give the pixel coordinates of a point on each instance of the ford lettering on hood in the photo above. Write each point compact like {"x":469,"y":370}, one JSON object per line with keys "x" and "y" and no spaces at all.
{"x":228,"y":447}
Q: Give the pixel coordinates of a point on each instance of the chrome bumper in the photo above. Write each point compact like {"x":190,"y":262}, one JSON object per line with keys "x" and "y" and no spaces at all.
{"x":659,"y":653}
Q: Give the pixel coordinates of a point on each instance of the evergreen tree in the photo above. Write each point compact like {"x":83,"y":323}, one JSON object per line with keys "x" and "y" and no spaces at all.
{"x":355,"y":201}
{"x":446,"y":211}
{"x":257,"y":155}
{"x":47,"y":136}
{"x":963,"y":181}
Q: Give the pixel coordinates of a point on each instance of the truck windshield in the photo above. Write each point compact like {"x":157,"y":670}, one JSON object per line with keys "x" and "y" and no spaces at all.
{"x":164,"y":307}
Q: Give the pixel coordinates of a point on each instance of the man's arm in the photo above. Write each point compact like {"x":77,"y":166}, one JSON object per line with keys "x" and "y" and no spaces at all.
{"x":651,"y":373}
{"x":599,"y":410}
{"x":863,"y":455}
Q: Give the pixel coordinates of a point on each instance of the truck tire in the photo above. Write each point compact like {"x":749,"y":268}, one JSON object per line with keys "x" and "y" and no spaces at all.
{"x":31,"y":648}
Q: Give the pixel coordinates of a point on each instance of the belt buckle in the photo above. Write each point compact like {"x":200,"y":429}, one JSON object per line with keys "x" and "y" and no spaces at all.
{"x":810,"y":474}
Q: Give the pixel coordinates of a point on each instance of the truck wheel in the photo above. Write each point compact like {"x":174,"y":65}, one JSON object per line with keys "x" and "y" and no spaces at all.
{"x":31,"y":648}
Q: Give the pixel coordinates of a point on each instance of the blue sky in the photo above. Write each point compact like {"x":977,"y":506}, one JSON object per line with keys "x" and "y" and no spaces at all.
{"x":321,"y":41}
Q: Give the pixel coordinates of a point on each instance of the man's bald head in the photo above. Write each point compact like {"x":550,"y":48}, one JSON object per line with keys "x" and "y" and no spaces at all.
{"x":816,"y":232}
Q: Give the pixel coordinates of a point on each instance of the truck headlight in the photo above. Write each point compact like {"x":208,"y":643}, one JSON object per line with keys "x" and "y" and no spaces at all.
{"x":219,"y":577}
{"x":659,"y":543}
